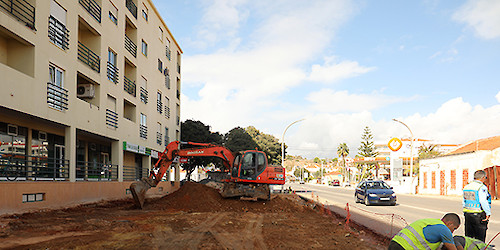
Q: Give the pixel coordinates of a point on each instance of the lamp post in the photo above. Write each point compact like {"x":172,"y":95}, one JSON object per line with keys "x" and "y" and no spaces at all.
{"x":283,"y":142}
{"x":411,"y":151}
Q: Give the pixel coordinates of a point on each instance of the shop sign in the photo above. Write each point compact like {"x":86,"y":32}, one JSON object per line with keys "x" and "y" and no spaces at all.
{"x":136,"y":148}
{"x":395,"y":144}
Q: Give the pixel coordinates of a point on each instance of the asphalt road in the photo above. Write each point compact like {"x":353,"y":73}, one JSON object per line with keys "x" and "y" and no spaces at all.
{"x":389,"y":219}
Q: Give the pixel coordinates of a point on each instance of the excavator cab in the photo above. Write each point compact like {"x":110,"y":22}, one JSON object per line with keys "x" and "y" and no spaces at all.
{"x":248,"y":165}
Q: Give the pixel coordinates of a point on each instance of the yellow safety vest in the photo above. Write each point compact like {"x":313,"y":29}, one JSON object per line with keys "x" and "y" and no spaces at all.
{"x":473,"y":244}
{"x":412,"y":236}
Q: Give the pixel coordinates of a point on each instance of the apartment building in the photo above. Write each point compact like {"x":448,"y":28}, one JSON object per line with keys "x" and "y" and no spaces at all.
{"x":90,"y":94}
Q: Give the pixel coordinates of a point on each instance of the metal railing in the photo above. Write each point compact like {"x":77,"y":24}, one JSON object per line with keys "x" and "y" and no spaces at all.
{"x":143,"y":131}
{"x":133,"y":173}
{"x":88,"y":57}
{"x":58,"y":33}
{"x":130,"y":46}
{"x":178,"y":68}
{"x":92,"y":8}
{"x":96,"y":171}
{"x":57,"y":97}
{"x":112,"y":72}
{"x":178,"y":94}
{"x":159,"y":106}
{"x":168,"y":53}
{"x":17,"y":167}
{"x":129,"y":86}
{"x":167,"y":140}
{"x":159,"y":138}
{"x":144,"y":95}
{"x":22,"y":10}
{"x":167,"y":111}
{"x":111,"y":118}
{"x":167,"y":81}
{"x":131,"y":7}
{"x":178,"y":120}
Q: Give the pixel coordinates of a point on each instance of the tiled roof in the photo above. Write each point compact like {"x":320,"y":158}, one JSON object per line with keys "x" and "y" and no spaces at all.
{"x":490,"y":143}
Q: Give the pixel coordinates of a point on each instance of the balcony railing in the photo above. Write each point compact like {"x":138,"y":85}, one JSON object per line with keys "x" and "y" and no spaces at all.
{"x":178,"y":94}
{"x":112,"y":72}
{"x":178,"y":120}
{"x":88,"y":57}
{"x":178,"y":68}
{"x":129,"y":86}
{"x":167,"y":81}
{"x":159,"y":106}
{"x":159,"y":138}
{"x":167,"y":112}
{"x":144,"y":95}
{"x":143,"y":131}
{"x":92,"y":8}
{"x":96,"y":171}
{"x":130,"y":46}
{"x":58,"y":33}
{"x":168,"y":52}
{"x":131,"y":7}
{"x":21,"y":10}
{"x":133,"y":173}
{"x":57,"y":97}
{"x":18,"y":167}
{"x":111,"y":118}
{"x":167,"y":140}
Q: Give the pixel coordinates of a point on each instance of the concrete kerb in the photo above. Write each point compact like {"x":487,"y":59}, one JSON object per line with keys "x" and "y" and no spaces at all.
{"x":385,"y":225}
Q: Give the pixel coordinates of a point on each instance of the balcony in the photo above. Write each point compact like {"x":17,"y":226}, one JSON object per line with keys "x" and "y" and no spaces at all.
{"x":159,"y":106}
{"x":129,"y":86}
{"x":143,"y":131}
{"x":22,"y":10}
{"x":131,"y":7}
{"x":92,"y":8}
{"x":144,"y":95}
{"x":167,"y":112}
{"x":111,"y":118}
{"x":58,"y":33}
{"x":130,"y":46}
{"x":159,"y":138}
{"x":88,"y":57}
{"x":167,"y":79}
{"x":168,"y":53}
{"x":112,"y":73}
{"x":57,"y":97}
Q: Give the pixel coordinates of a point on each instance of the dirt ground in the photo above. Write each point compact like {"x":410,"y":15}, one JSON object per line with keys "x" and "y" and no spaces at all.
{"x":194,"y":217}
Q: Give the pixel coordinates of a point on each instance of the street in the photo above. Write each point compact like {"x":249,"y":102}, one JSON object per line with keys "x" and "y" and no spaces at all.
{"x":409,"y":208}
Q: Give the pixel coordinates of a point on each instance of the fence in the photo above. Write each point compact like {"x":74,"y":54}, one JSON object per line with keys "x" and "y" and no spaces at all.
{"x":133,"y":173}
{"x":16,"y":167}
{"x":96,"y":171}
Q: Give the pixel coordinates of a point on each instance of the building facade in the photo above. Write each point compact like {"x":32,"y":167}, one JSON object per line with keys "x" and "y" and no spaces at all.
{"x":90,"y":94}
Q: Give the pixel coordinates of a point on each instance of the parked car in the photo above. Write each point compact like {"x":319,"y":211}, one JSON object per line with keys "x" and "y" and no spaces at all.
{"x":372,"y":192}
{"x":335,"y":183}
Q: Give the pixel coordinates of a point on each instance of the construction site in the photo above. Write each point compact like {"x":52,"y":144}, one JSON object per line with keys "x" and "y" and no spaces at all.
{"x":193,"y":217}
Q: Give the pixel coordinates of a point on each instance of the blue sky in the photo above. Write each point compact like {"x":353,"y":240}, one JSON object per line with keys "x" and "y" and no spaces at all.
{"x":342,"y":65}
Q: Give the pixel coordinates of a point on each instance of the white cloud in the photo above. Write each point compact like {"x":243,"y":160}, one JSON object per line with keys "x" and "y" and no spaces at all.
{"x":333,"y":72}
{"x":482,"y":16}
{"x":330,"y":101}
{"x":498,"y":96}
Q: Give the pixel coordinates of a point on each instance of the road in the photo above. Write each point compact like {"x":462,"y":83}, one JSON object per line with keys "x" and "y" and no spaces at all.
{"x":409,"y":208}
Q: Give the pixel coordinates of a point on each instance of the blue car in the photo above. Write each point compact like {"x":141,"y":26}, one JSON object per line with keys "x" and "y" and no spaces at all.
{"x":373,"y":192}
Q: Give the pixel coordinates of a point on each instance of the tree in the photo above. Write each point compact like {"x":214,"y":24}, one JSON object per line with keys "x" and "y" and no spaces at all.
{"x":196,"y":131}
{"x":267,"y":143}
{"x":425,"y":152}
{"x":343,"y":151}
{"x":367,"y":148}
{"x":237,"y":139}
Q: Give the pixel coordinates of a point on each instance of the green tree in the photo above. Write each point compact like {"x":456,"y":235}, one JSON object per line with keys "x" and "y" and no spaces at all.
{"x":317,"y":160}
{"x":237,"y":139}
{"x":367,"y":149}
{"x":425,"y":152}
{"x":267,"y":143}
{"x":196,"y":131}
{"x":343,"y":151}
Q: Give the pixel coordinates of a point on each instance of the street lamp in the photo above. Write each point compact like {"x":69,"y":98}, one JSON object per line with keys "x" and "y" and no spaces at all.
{"x":411,"y":151}
{"x":283,"y":142}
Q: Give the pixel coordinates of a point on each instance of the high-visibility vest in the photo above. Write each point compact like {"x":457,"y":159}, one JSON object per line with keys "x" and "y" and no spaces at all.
{"x":412,"y":236}
{"x":471,"y":197}
{"x":473,"y":244}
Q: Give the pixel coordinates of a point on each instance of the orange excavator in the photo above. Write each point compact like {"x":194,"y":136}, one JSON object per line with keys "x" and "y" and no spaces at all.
{"x":243,"y":174}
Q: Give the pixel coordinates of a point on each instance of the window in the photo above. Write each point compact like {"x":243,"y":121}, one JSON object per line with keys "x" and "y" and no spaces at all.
{"x":161,"y":33}
{"x":143,"y":90}
{"x":166,"y":72}
{"x":167,"y":50}
{"x":112,"y":57}
{"x":159,"y":136}
{"x":144,"y":120}
{"x":160,"y":65}
{"x":56,"y":75}
{"x":159,"y":104}
{"x":113,"y":13}
{"x":58,"y":33}
{"x":167,"y":140}
{"x":145,"y":12}
{"x":57,"y":96}
{"x":144,"y":82}
{"x":167,"y":107}
{"x":144,"y":48}
{"x":112,"y":69}
{"x":143,"y":128}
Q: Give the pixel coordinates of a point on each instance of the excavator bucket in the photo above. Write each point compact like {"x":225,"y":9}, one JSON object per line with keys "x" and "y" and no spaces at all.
{"x":138,"y":190}
{"x":246,"y":190}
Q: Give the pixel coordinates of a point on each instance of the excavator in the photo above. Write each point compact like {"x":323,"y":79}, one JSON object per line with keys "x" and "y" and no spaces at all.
{"x":242,"y":174}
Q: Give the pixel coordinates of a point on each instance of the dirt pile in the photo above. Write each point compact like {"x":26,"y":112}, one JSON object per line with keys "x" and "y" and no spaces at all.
{"x":195,"y":216}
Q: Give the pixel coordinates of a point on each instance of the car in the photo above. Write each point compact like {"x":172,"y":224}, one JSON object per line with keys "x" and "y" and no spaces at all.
{"x":372,"y":192}
{"x":335,"y":183}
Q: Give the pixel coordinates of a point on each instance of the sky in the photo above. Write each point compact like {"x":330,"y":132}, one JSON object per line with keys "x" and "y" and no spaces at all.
{"x":340,"y":65}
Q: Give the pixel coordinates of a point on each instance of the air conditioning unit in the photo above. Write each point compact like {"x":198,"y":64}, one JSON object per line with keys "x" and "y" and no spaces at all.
{"x":42,"y":136}
{"x":85,"y":91}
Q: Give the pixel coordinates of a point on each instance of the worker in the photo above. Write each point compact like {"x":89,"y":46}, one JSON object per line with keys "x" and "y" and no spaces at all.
{"x":468,"y":243}
{"x":477,"y":206}
{"x":427,"y":234}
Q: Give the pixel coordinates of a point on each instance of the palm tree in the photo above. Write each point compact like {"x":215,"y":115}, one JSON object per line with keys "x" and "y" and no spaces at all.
{"x":343,"y":151}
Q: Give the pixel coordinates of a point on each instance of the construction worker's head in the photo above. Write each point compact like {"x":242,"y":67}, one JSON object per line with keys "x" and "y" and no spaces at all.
{"x":452,"y":221}
{"x":480,"y":175}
